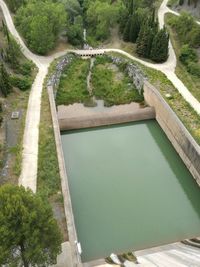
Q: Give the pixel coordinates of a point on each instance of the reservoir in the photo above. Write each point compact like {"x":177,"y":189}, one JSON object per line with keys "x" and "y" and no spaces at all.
{"x":129,"y":188}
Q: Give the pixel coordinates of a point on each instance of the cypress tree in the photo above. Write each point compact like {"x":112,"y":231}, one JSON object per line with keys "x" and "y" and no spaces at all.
{"x":5,"y":86}
{"x":134,"y":28}
{"x":145,"y":39}
{"x":159,"y":51}
{"x":126,"y":34}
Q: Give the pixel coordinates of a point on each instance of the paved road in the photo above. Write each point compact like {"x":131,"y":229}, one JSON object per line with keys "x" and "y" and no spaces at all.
{"x":173,"y":255}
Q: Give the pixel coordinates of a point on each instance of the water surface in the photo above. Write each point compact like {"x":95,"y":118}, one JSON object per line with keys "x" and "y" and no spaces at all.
{"x":129,"y":189}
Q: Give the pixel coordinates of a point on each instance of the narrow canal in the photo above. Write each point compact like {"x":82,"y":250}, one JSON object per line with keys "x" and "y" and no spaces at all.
{"x":129,"y":189}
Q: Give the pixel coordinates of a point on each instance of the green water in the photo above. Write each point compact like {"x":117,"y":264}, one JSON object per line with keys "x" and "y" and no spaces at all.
{"x":129,"y":189}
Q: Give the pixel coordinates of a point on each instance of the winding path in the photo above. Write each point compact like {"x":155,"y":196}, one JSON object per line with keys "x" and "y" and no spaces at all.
{"x":28,"y":177}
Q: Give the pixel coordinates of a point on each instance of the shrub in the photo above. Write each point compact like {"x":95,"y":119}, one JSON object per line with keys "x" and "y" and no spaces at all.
{"x":194,"y":69}
{"x":188,"y":54}
{"x":26,"y":69}
{"x":22,"y":83}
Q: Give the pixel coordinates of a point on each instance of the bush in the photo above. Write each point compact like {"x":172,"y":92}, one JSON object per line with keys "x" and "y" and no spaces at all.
{"x":194,"y":69}
{"x":188,"y":54}
{"x":26,"y":69}
{"x":22,"y":83}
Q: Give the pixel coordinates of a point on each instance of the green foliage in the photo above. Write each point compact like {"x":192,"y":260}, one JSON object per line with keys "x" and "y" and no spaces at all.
{"x":40,"y":22}
{"x":22,"y":83}
{"x":113,"y":90}
{"x":188,"y":54}
{"x":187,"y":29}
{"x":5,"y":85}
{"x":126,"y":34}
{"x":73,"y":83}
{"x":26,"y":68}
{"x":132,"y":28}
{"x":101,"y":16}
{"x":29,"y":235}
{"x":194,"y":68}
{"x":11,"y":53}
{"x":15,"y":4}
{"x":48,"y":171}
{"x":159,"y":50}
{"x":75,"y":31}
{"x":145,"y":40}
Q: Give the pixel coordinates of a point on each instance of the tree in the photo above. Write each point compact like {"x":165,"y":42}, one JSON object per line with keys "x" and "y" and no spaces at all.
{"x":15,"y":4}
{"x":101,"y":16}
{"x":145,"y":39}
{"x":134,"y":28}
{"x":5,"y":86}
{"x":126,"y":34}
{"x":159,"y":50}
{"x":40,"y":23}
{"x":29,"y":235}
{"x":188,"y":54}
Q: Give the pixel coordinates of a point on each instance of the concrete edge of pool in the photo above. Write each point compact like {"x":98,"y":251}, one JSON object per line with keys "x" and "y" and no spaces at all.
{"x":182,"y":141}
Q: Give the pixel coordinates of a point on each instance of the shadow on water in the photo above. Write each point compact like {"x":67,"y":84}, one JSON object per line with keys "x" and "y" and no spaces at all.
{"x":185,"y":179}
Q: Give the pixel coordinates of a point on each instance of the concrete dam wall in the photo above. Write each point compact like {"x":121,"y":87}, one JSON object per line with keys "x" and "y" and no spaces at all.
{"x":183,"y":142}
{"x":79,"y":117}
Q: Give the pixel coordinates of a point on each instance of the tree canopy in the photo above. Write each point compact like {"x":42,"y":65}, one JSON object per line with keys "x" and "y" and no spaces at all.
{"x":29,"y":235}
{"x":40,"y":23}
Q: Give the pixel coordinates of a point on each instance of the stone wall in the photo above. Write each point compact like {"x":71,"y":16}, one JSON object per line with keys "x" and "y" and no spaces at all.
{"x":176,"y":132}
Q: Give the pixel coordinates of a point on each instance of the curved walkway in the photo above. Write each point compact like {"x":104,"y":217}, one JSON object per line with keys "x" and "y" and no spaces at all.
{"x":28,"y":177}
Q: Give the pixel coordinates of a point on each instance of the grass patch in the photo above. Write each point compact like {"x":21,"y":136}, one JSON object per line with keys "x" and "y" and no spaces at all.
{"x":73,"y":83}
{"x":48,"y":179}
{"x":192,"y":82}
{"x":112,"y":85}
{"x":48,"y":171}
{"x":184,"y":111}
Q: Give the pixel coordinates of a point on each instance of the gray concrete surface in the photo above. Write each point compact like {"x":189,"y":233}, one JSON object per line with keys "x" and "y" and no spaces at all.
{"x":177,"y":133}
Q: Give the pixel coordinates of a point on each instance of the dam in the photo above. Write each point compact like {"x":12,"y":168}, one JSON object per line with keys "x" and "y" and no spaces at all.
{"x":130,"y":190}
{"x":130,"y":175}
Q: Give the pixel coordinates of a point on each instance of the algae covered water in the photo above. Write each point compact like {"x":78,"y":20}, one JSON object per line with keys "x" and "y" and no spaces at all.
{"x":129,"y":188}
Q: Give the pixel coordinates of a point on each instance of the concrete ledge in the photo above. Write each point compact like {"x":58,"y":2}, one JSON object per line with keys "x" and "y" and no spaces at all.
{"x":121,"y":114}
{"x":181,"y":139}
{"x":74,"y":259}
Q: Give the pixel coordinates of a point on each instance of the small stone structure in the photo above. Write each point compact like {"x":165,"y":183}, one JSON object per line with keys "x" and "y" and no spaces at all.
{"x":15,"y":115}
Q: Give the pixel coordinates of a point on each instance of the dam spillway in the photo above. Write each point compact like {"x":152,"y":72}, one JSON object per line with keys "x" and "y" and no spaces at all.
{"x":129,"y":188}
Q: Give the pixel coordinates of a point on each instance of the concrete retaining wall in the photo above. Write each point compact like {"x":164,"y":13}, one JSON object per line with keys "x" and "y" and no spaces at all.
{"x":75,"y":260}
{"x":106,"y":118}
{"x":176,"y":132}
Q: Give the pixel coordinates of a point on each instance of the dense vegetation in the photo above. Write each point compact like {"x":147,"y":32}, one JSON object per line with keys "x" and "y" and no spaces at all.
{"x":48,"y":178}
{"x":73,"y":83}
{"x":41,"y":23}
{"x":112,"y":84}
{"x":15,"y":70}
{"x":181,"y":2}
{"x":29,"y":235}
{"x":185,"y":34}
{"x":109,"y":82}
